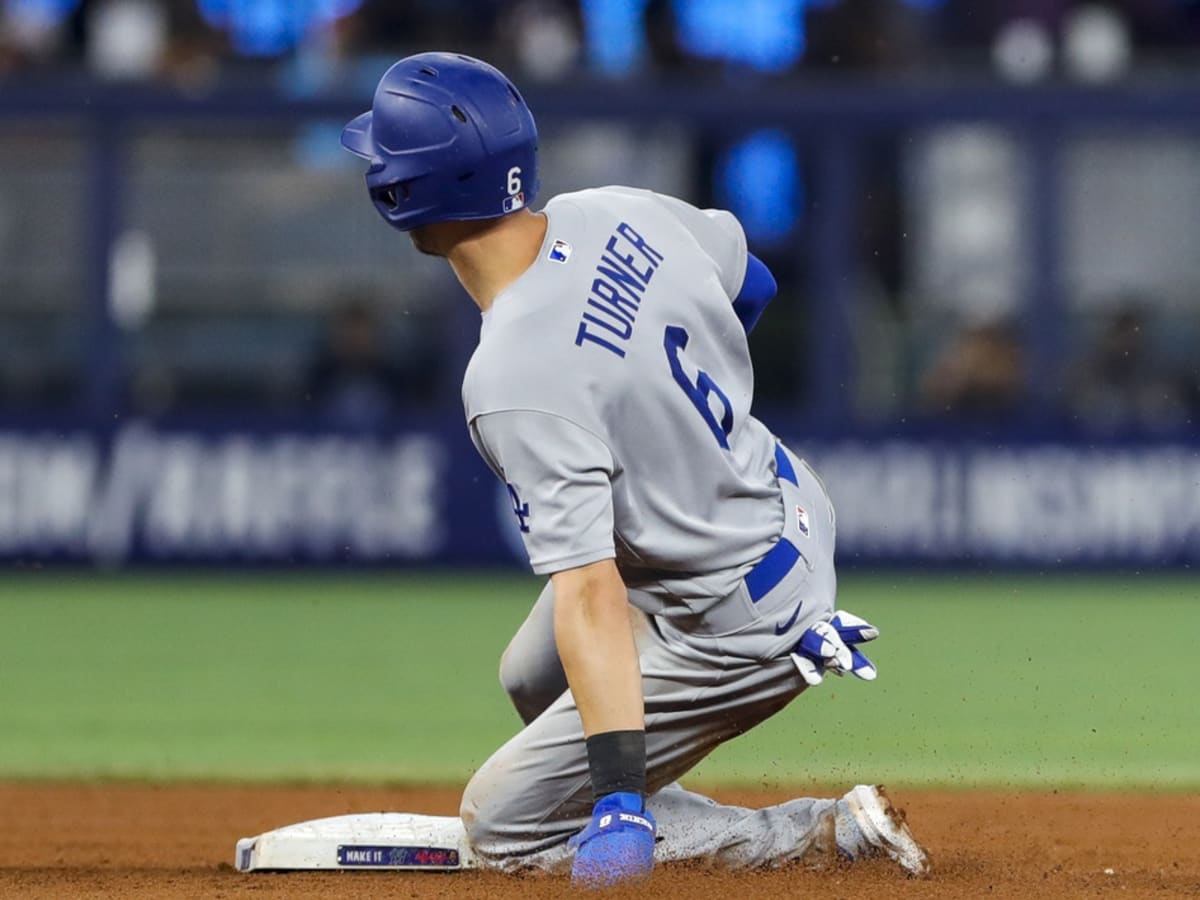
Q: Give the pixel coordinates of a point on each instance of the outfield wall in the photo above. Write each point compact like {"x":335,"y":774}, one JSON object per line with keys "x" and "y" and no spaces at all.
{"x":144,"y":493}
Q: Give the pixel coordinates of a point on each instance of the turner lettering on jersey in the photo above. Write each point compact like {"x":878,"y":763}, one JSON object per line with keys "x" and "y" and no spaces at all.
{"x":625,"y":269}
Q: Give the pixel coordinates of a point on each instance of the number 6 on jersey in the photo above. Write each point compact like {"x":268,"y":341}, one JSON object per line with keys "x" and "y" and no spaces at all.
{"x":675,"y":341}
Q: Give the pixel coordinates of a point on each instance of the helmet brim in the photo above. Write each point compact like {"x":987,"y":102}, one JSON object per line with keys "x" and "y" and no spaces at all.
{"x":356,"y":137}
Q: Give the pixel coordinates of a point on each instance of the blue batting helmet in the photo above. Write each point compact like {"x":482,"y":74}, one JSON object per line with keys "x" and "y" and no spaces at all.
{"x":448,"y":137}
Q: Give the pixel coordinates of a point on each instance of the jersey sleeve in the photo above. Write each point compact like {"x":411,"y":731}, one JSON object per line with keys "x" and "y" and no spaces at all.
{"x":719,"y":235}
{"x":559,"y":478}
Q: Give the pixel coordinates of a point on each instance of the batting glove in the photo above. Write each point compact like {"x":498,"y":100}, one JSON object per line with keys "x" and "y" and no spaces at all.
{"x":617,"y":845}
{"x":830,"y":647}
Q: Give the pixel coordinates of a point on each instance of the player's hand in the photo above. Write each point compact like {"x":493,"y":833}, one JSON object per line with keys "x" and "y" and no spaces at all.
{"x":617,"y":845}
{"x":830,"y":647}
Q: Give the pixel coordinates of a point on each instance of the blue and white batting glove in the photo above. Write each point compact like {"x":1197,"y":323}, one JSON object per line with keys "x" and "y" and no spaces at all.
{"x":617,"y":845}
{"x":830,"y":647}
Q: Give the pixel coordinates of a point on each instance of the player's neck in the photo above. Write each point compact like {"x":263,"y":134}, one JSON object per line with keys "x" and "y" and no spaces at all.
{"x":487,"y":260}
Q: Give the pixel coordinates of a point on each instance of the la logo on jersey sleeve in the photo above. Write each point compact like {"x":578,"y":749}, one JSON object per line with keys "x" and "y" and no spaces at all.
{"x":520,"y":509}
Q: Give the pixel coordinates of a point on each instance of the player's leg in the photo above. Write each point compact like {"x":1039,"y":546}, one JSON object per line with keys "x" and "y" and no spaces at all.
{"x":535,"y":791}
{"x":762,"y":678}
{"x":705,"y":681}
{"x":693,"y":826}
{"x":530,"y":670}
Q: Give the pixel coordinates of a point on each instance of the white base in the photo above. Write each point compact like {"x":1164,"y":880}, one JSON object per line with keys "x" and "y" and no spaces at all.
{"x":362,"y":841}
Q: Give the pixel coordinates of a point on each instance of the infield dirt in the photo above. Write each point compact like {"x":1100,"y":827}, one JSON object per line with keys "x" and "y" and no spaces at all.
{"x":167,"y":842}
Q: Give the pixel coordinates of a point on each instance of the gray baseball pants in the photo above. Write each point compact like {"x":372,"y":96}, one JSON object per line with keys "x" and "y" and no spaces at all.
{"x":706,"y":679}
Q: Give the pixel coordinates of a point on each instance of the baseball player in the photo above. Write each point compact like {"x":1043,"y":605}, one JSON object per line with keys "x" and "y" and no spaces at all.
{"x":690,"y":554}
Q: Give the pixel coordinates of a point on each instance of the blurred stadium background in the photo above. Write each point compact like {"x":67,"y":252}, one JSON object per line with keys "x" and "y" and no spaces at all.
{"x":983,"y":216}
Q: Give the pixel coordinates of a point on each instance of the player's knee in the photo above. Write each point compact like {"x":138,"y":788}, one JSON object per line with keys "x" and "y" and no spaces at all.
{"x":486,"y":819}
{"x":530,"y":691}
{"x":511,"y":678}
{"x":468,"y":811}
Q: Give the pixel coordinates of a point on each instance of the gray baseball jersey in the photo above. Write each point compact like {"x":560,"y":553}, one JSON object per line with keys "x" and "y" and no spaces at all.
{"x":611,"y":391}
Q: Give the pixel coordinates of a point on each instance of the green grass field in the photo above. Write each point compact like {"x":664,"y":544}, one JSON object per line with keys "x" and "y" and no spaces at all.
{"x":984,"y":680}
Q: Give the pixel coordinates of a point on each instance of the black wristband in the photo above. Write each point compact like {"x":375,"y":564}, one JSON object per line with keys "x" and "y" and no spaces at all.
{"x":617,"y":760}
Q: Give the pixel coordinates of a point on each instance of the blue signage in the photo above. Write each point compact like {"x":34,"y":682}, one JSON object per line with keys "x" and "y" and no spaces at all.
{"x":150,"y":494}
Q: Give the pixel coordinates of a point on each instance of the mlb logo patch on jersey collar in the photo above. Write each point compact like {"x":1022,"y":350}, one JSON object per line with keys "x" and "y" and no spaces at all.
{"x":802,"y":520}
{"x":560,"y":252}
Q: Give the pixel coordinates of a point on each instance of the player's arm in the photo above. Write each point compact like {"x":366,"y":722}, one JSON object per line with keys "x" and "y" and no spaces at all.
{"x":758,"y":287}
{"x":594,"y":634}
{"x":559,"y":476}
{"x":595,"y":643}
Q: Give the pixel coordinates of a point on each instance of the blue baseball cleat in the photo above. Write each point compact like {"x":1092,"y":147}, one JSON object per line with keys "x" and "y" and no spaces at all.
{"x":617,"y":846}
